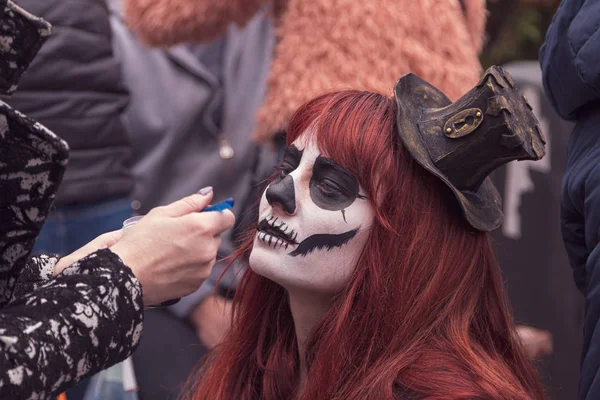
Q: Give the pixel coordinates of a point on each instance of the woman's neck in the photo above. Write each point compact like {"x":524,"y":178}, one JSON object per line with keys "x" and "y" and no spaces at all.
{"x":307,"y":310}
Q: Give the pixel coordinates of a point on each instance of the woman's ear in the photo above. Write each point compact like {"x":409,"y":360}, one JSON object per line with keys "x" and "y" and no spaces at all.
{"x":170,"y":22}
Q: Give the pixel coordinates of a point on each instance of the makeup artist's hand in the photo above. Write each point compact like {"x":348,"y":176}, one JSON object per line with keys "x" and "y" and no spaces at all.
{"x":105,"y":241}
{"x":172,"y":250}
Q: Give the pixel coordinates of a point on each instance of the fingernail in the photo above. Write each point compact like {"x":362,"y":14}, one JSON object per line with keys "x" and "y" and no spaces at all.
{"x":205,"y":191}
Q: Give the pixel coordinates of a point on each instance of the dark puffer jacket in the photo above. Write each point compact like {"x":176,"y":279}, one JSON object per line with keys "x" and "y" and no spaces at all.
{"x":570,"y":60}
{"x":74,"y":88}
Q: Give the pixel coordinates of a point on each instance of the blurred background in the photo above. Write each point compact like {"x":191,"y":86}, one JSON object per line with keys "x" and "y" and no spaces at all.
{"x":516,"y":29}
{"x":529,"y":245}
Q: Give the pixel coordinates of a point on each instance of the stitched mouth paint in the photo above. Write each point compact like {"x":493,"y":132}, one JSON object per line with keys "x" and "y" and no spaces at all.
{"x":276,"y":233}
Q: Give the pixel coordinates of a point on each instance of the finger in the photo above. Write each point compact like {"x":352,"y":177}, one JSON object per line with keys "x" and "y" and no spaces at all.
{"x":215,"y":222}
{"x":226,"y":221}
{"x":187,"y":205}
{"x":109,"y":239}
{"x":103,"y":241}
{"x":106,"y":240}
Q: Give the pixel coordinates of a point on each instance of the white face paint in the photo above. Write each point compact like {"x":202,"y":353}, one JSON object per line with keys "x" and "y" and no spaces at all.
{"x":314,"y":220}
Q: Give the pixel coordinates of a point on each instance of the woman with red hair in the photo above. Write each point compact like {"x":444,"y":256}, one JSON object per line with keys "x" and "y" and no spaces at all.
{"x":371,"y":271}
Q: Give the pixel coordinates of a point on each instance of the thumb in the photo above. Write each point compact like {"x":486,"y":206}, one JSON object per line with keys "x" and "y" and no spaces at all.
{"x":189,"y":204}
{"x":111,"y":238}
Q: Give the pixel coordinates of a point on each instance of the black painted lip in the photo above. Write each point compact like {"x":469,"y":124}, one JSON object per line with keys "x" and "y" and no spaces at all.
{"x":267,"y":226}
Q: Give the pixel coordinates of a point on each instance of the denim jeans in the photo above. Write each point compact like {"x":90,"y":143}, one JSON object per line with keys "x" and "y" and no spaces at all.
{"x":70,"y":227}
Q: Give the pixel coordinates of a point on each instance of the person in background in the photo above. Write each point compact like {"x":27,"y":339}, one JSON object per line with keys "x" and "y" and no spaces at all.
{"x":571,"y":74}
{"x":63,"y":319}
{"x":74,"y":87}
{"x":317,"y":51}
{"x":191,"y":114}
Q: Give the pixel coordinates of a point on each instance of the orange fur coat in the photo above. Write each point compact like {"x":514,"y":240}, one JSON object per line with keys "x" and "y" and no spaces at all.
{"x":324,"y":45}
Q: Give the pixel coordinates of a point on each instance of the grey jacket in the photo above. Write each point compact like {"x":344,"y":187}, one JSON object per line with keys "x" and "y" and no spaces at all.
{"x":181,"y":108}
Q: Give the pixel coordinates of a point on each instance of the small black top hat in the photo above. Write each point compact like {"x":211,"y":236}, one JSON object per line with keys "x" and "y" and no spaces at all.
{"x":463,"y":142}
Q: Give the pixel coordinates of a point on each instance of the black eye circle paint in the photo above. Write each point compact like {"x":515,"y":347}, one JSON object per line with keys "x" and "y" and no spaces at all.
{"x":332,"y":188}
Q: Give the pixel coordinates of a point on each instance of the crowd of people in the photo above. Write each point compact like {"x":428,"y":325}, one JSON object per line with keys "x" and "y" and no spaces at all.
{"x":356,"y":262}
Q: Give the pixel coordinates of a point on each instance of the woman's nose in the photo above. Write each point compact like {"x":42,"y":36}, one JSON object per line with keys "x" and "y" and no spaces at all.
{"x":282,"y":192}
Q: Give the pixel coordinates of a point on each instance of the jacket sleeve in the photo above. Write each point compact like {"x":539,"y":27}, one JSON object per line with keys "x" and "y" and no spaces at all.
{"x":570,"y":57}
{"x":580,"y":222}
{"x":86,"y":319}
{"x":23,"y":31}
{"x":37,"y":272}
{"x":29,"y":179}
{"x":33,"y":159}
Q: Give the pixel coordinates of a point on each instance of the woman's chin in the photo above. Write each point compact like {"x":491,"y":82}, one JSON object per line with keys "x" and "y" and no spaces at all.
{"x":270,"y":263}
{"x":262,"y":258}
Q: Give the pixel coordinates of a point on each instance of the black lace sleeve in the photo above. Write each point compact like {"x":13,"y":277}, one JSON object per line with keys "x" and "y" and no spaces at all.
{"x":32,"y":159}
{"x":23,"y":34}
{"x":86,"y":319}
{"x":31,"y":169}
{"x":37,"y":272}
{"x":54,"y":331}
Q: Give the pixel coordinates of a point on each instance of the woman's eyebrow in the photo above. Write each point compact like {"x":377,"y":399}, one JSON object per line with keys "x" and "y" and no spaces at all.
{"x":292,"y":152}
{"x":330,"y":164}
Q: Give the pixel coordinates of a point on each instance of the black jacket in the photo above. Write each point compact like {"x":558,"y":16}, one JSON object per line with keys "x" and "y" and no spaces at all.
{"x":570,"y":60}
{"x":73,"y":87}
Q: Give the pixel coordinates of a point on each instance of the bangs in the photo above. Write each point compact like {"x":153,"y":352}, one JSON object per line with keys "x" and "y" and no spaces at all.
{"x":353,"y":128}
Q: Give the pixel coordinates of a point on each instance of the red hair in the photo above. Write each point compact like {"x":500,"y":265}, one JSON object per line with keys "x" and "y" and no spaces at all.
{"x":425,"y":311}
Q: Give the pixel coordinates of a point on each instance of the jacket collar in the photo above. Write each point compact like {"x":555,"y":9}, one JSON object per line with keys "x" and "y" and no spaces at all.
{"x":179,"y":54}
{"x":182,"y":55}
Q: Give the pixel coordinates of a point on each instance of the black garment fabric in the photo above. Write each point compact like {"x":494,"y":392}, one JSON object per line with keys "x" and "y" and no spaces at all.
{"x":74,"y":88}
{"x":54,"y":330}
{"x":27,"y":33}
{"x":58,"y":331}
{"x":32,"y":165}
{"x":570,"y":60}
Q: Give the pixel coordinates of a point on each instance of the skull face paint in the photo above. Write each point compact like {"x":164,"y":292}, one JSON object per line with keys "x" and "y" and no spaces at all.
{"x":314,"y":220}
